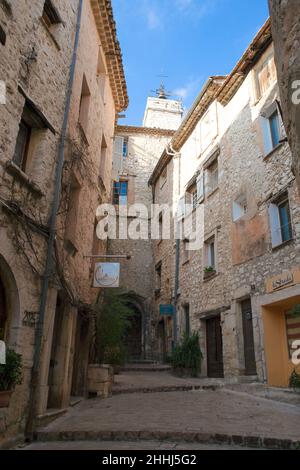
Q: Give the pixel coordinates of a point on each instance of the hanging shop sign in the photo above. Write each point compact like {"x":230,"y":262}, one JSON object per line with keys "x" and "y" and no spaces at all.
{"x":286,"y":279}
{"x":166,"y":309}
{"x":107,"y":275}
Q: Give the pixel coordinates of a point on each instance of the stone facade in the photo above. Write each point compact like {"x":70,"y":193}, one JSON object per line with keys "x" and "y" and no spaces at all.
{"x":286,"y":35}
{"x":144,"y":147}
{"x":163,"y":113}
{"x":35,"y":66}
{"x":226,"y":152}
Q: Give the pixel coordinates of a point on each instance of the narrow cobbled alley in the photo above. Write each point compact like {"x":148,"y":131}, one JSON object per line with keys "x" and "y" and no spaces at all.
{"x":152,"y":409}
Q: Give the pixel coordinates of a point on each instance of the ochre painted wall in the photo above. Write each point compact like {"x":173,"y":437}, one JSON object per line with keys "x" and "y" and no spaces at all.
{"x":279,"y":364}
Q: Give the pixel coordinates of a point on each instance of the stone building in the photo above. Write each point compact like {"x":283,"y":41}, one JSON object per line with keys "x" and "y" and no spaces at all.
{"x":37,"y":49}
{"x":286,"y":36}
{"x":137,"y":150}
{"x":229,"y":183}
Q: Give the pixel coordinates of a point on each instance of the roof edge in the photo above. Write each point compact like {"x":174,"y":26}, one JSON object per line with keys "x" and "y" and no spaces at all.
{"x":106,"y":26}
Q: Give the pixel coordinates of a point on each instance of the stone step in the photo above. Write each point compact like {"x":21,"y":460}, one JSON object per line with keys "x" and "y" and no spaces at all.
{"x":75,"y":400}
{"x":250,"y":441}
{"x":163,"y":388}
{"x":141,"y":367}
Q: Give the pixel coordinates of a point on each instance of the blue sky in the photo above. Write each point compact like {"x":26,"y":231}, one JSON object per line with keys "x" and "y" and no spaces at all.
{"x":187,"y":40}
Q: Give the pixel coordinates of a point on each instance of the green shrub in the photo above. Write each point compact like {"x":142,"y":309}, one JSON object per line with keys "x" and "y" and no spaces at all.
{"x":294,"y":380}
{"x":187,"y":355}
{"x":113,"y":320}
{"x":11,"y":372}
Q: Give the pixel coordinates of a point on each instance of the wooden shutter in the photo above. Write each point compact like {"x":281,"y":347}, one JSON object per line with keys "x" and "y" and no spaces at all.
{"x":265,"y":125}
{"x":181,"y":208}
{"x":275,"y":225}
{"x":282,"y":132}
{"x":200,"y":187}
{"x":117,"y":157}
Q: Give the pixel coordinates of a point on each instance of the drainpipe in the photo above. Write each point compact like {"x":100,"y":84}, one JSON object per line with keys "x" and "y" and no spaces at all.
{"x":30,"y":424}
{"x":177,"y":261}
{"x":170,"y":151}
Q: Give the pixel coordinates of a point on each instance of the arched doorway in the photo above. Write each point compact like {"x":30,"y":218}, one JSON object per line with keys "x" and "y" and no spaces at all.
{"x":9,"y":305}
{"x":134,"y":335}
{"x":3,"y":311}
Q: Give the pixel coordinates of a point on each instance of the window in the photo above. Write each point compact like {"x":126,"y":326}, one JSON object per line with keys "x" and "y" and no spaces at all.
{"x":120,"y":192}
{"x":210,"y":255}
{"x":192,"y":196}
{"x":29,"y":134}
{"x":103,"y":158}
{"x":2,"y":36}
{"x":265,"y":76}
{"x":22,"y":145}
{"x":158,"y":269}
{"x":212,"y":177}
{"x":239,"y":208}
{"x":160,"y":222}
{"x":208,"y":128}
{"x":272,"y":127}
{"x":84,"y":107}
{"x":50,"y":14}
{"x":186,"y":252}
{"x":117,"y":165}
{"x":72,"y":218}
{"x":200,"y":187}
{"x":280,"y":221}
{"x":125,"y":147}
{"x":186,"y":310}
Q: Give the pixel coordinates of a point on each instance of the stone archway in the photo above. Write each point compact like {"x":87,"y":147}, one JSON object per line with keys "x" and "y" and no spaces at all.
{"x":134,"y":334}
{"x":9,"y":305}
{"x":134,"y":340}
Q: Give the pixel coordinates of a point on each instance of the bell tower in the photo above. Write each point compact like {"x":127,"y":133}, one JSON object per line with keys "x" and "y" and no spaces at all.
{"x":162,"y":112}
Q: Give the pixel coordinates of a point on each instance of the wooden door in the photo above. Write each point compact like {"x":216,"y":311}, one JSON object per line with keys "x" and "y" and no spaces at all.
{"x":3,"y":311}
{"x":215,"y":366}
{"x":250,"y":363}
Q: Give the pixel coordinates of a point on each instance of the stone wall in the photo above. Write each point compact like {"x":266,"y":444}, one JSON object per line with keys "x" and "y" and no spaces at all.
{"x":286,"y":35}
{"x":137,"y":274}
{"x":244,"y":254}
{"x":34,"y":62}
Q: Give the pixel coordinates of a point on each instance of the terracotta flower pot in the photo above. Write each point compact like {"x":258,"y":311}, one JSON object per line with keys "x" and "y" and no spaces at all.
{"x":5,"y":398}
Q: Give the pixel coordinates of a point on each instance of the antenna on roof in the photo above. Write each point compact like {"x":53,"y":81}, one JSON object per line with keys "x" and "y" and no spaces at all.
{"x":161,"y":92}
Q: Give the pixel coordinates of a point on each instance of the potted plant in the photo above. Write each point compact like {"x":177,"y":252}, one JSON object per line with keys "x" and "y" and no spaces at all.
{"x":294,"y":381}
{"x":209,"y":271}
{"x":112,"y":315}
{"x":10,"y":376}
{"x":187,"y":356}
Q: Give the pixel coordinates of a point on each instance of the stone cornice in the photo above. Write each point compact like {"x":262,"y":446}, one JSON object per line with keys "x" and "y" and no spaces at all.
{"x":106,"y":27}
{"x":144,"y":130}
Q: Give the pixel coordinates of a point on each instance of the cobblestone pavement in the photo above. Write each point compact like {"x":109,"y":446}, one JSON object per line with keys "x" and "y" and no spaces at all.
{"x":125,"y":445}
{"x":176,"y":416}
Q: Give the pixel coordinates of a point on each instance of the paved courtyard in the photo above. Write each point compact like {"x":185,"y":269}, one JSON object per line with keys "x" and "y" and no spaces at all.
{"x":193,"y":418}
